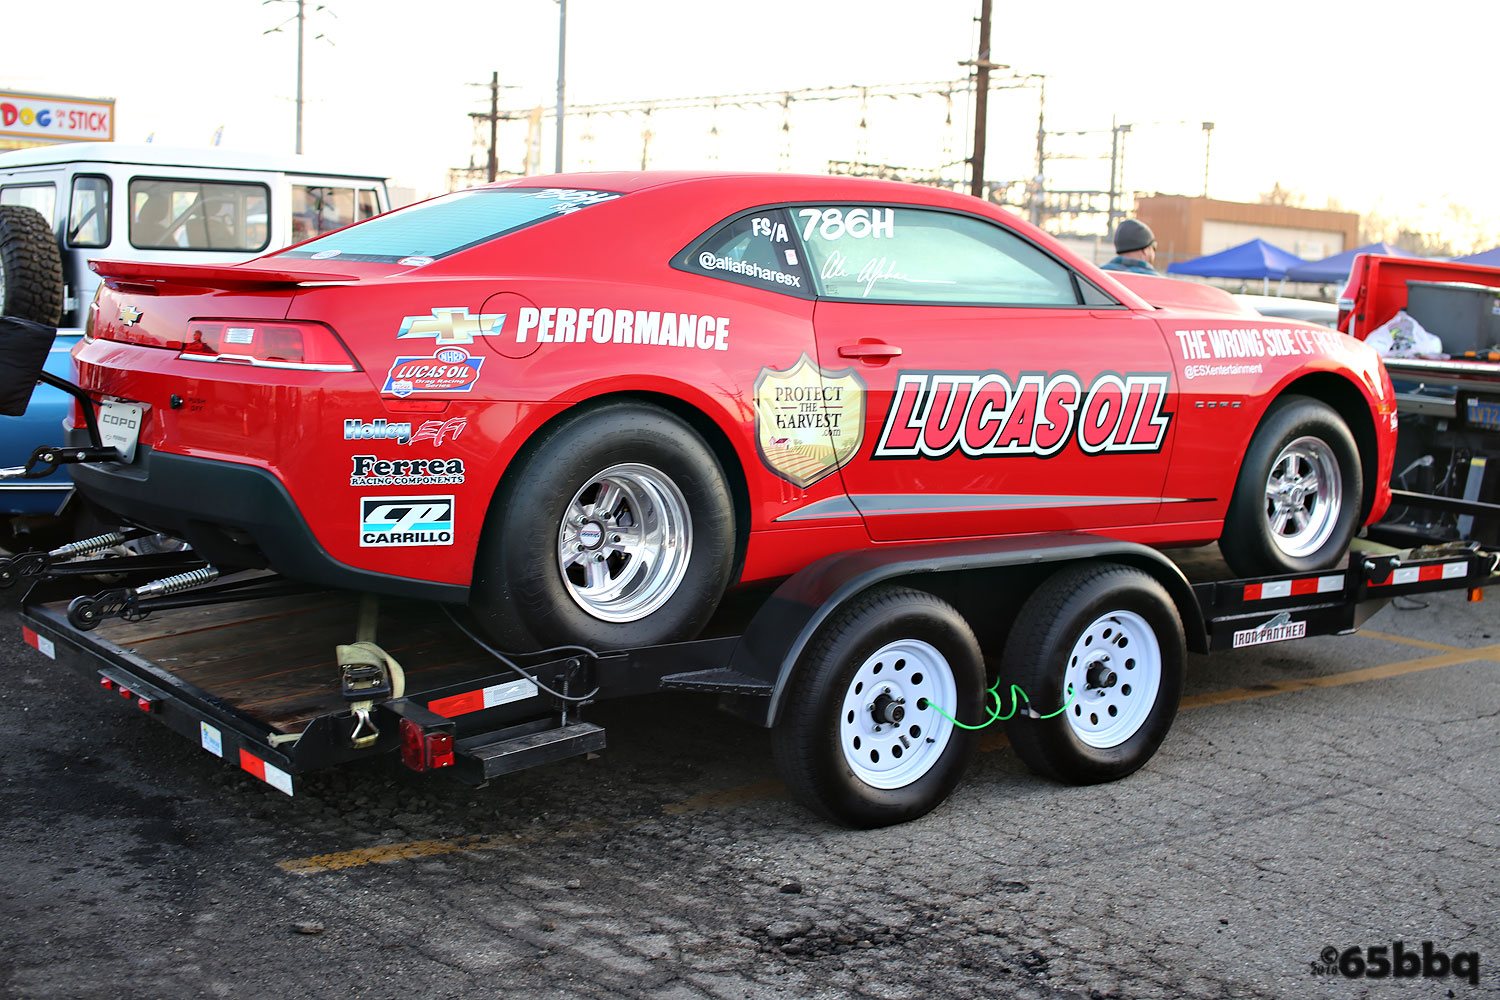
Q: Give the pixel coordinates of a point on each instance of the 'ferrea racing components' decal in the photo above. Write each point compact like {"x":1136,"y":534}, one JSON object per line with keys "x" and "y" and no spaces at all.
{"x":451,"y":325}
{"x":371,"y":471}
{"x":984,"y":414}
{"x":808,"y":420}
{"x":392,"y":521}
{"x":450,"y":369}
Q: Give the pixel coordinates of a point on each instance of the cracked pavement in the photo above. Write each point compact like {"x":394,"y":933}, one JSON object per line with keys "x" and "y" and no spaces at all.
{"x":1268,"y":827}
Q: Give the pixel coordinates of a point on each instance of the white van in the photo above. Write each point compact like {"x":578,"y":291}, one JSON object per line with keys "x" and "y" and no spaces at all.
{"x":117,"y":201}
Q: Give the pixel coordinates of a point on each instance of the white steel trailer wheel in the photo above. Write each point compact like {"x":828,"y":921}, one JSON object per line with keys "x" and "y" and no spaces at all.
{"x":1114,"y":672}
{"x":888,"y":729}
{"x":624,"y":543}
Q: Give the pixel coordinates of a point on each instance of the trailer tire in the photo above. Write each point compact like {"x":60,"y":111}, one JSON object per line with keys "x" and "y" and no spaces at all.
{"x":858,"y":740}
{"x":1114,"y":635}
{"x":31,"y":272}
{"x":556,"y":567}
{"x":1296,"y":503}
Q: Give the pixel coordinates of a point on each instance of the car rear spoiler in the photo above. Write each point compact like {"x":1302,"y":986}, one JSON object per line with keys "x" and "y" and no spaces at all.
{"x":224,"y":276}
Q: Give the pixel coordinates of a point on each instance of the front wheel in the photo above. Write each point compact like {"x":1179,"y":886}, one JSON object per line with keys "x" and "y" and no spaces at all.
{"x":1296,"y":503}
{"x":860,"y":739}
{"x":1098,"y":653}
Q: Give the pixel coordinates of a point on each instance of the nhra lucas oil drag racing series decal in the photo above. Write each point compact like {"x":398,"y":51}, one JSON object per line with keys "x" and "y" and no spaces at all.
{"x":808,"y":421}
{"x":984,"y":414}
{"x":385,"y":522}
{"x":450,"y":369}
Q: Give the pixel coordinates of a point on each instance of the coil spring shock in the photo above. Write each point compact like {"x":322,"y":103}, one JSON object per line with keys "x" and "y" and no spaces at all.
{"x":176,"y":584}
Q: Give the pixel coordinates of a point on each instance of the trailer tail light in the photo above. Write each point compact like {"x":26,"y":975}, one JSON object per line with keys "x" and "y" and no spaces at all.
{"x":261,"y":344}
{"x":425,"y":750}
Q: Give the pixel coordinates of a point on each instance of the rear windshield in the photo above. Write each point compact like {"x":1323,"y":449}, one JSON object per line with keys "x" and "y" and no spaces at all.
{"x":449,"y":224}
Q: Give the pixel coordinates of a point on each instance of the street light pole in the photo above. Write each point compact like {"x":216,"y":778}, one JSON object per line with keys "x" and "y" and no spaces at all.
{"x":562,"y":44}
{"x":301,"y":19}
{"x":1208,"y":134}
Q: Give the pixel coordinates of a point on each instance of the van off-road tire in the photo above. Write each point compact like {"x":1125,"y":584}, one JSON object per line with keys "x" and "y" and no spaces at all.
{"x":615,"y":530}
{"x":31,"y":273}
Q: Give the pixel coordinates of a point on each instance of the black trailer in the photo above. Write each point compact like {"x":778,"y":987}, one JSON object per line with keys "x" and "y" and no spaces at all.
{"x":875,"y":669}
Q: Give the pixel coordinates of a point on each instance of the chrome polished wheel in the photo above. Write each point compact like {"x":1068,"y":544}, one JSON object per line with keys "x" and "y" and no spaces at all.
{"x":1113,"y":677}
{"x":888,"y":729}
{"x":1304,"y":495}
{"x":624,"y":543}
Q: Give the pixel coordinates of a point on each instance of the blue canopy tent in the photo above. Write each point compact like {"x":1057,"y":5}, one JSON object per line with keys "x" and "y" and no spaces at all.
{"x":1255,"y":259}
{"x":1336,"y":268}
{"x":1489,"y":258}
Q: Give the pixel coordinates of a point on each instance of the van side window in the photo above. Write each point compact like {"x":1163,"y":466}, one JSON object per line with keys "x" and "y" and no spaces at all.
{"x":182,"y":214}
{"x":322,"y":208}
{"x":42,"y":197}
{"x":88,"y":211}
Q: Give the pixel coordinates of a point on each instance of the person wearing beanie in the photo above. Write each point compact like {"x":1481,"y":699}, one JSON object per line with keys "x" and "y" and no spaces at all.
{"x":1135,"y":248}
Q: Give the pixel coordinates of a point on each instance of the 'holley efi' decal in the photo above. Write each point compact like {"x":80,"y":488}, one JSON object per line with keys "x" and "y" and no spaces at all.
{"x":983,"y":414}
{"x":808,"y":421}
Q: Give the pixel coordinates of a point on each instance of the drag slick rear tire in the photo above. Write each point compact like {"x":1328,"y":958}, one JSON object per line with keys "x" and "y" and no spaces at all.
{"x":858,"y":740}
{"x":1114,"y":635}
{"x":1296,"y":503}
{"x":616,"y":529}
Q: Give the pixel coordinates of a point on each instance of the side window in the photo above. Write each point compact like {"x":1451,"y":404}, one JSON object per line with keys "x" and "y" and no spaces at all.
{"x":758,"y":249}
{"x":369,"y":205}
{"x":88,"y":212}
{"x":918,"y":255}
{"x":319,"y":209}
{"x":42,"y":197}
{"x":182,"y":214}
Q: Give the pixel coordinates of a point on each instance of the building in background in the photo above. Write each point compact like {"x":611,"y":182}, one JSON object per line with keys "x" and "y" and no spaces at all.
{"x":1191,"y":227}
{"x":42,"y":119}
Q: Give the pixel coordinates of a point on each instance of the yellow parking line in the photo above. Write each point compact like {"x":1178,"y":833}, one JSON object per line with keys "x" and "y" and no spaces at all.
{"x":1403,"y":640}
{"x":991,"y":740}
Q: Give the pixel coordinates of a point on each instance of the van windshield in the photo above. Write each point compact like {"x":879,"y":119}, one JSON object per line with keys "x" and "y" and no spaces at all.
{"x":448,"y":224}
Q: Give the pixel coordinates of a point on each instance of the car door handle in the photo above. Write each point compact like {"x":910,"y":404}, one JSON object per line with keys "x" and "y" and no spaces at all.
{"x":864,"y":349}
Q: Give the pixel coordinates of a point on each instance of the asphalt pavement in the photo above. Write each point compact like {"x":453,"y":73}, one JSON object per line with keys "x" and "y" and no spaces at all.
{"x":1332,"y":795}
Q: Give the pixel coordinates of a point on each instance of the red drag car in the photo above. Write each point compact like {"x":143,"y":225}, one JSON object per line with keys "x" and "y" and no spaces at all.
{"x":588,"y":404}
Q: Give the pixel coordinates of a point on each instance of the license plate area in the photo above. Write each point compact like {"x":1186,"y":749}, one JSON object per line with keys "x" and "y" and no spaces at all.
{"x":120,"y":427}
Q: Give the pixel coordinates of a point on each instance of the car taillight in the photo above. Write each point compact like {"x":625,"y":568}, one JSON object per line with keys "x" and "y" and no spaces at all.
{"x":263,"y":344}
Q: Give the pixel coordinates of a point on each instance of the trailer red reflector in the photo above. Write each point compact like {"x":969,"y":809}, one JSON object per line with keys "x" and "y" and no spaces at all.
{"x":40,"y":643}
{"x":124,"y":692}
{"x":270,"y":774}
{"x":106,"y":683}
{"x":145,"y":704}
{"x":1425,"y":573}
{"x":1271,"y":589}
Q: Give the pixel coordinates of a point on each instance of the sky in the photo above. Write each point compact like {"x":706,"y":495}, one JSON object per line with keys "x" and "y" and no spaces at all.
{"x":1379,"y":106}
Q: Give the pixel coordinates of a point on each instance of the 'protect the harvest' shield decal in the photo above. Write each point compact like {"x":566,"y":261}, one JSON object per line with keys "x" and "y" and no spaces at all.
{"x":808,"y":421}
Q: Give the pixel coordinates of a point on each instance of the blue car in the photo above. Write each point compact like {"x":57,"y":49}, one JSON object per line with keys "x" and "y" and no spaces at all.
{"x":21,"y":500}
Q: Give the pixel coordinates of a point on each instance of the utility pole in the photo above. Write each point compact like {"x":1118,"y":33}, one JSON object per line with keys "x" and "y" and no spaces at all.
{"x":982,"y":67}
{"x":562,"y":45}
{"x":493,"y":118}
{"x":1041,"y":156}
{"x":1208,"y":134}
{"x":301,"y":19}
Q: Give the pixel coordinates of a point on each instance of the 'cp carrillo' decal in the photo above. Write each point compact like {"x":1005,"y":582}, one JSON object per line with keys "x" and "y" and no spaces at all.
{"x":984,"y":414}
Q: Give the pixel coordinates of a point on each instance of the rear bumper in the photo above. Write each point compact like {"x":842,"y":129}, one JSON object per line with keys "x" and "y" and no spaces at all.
{"x":235,"y":515}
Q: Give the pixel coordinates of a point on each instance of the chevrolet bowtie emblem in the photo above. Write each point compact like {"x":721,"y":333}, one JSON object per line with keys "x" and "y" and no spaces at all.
{"x":130,"y":315}
{"x":451,"y":325}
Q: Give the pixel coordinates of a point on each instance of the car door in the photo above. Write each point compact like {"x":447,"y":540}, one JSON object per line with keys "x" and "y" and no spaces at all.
{"x":1003,"y":391}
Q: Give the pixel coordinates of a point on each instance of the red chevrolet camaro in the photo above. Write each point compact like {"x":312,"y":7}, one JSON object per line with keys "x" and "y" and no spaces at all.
{"x":588,"y":404}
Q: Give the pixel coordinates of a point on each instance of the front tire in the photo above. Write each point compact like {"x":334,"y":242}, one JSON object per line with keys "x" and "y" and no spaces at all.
{"x":1113,"y":634}
{"x":859,"y":741}
{"x":615,"y":530}
{"x":1296,"y":503}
